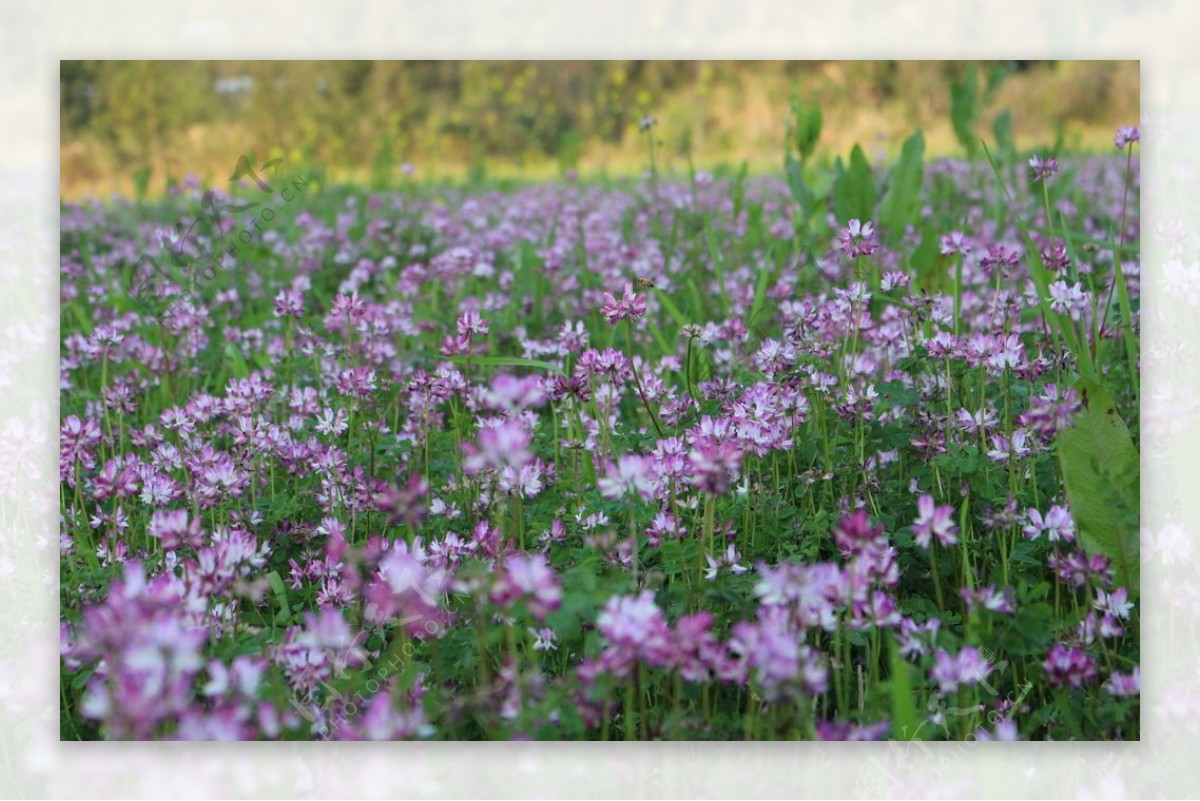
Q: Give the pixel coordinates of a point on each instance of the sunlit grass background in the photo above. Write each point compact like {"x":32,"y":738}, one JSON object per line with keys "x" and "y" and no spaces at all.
{"x":130,"y":127}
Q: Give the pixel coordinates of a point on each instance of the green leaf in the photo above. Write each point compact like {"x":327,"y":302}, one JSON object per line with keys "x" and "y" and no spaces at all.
{"x":964,"y":108}
{"x":141,"y":181}
{"x":239,"y":367}
{"x":902,"y":202}
{"x":1060,"y":325}
{"x":815,"y":121}
{"x":806,"y":128}
{"x":527,"y":269}
{"x":905,"y":721}
{"x":796,"y":183}
{"x":280,"y":594}
{"x":996,"y":76}
{"x":507,"y":361}
{"x":1128,"y":248}
{"x":854,"y":192}
{"x":760,"y":295}
{"x":671,"y":308}
{"x":1100,"y":470}
{"x":926,"y":259}
{"x":1002,"y":129}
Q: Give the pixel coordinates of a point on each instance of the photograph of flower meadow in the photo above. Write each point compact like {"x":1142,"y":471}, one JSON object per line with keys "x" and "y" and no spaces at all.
{"x":599,"y":400}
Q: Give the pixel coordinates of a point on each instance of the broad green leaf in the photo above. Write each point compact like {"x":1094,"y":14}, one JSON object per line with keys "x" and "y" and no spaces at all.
{"x":806,"y":128}
{"x":902,"y":202}
{"x":964,"y":108}
{"x":815,"y":122}
{"x":1002,"y":129}
{"x":996,"y":75}
{"x":796,"y":183}
{"x":905,"y":720}
{"x":926,"y":260}
{"x":854,"y":192}
{"x":280,"y":591}
{"x":1100,"y":470}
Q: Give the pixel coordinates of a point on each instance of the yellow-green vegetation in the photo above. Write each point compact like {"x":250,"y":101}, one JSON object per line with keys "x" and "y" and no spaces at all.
{"x":131,"y":125}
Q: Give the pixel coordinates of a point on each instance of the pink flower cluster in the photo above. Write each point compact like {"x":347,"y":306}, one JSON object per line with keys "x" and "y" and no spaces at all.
{"x":630,"y":306}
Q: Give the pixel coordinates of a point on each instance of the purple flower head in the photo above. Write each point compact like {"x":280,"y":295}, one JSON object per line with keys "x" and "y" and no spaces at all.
{"x":571,"y":387}
{"x":857,"y":239}
{"x":150,"y":648}
{"x":1056,"y":525}
{"x":1126,"y":135}
{"x":486,"y":538}
{"x":497,"y":447}
{"x":955,"y":242}
{"x":635,"y":629}
{"x":1004,"y":731}
{"x":345,"y":312}
{"x":471,"y":326}
{"x":697,"y":652}
{"x":854,"y":533}
{"x":1125,"y":684}
{"x":987,"y":598}
{"x":289,"y":303}
{"x":512,"y":394}
{"x":173,"y":529}
{"x":730,"y":559}
{"x":1042,"y":168}
{"x":405,"y":588}
{"x":878,"y":610}
{"x":609,"y":362}
{"x":1001,"y":258}
{"x":715,"y":466}
{"x":357,"y":382}
{"x":529,"y":578}
{"x":1069,"y":299}
{"x":630,"y":307}
{"x":1056,"y":257}
{"x":631,"y":620}
{"x":632,"y":475}
{"x":1076,"y":568}
{"x":916,"y":639}
{"x":934,"y":521}
{"x":1052,"y":411}
{"x":772,"y":650}
{"x":1069,"y":666}
{"x":893,"y":279}
{"x":845,"y":731}
{"x":967,"y":667}
{"x":1115,"y":603}
{"x":404,"y":503}
{"x":1094,"y":627}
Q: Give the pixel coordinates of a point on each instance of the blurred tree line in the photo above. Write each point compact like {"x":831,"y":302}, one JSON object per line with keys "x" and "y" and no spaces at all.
{"x":380,"y":114}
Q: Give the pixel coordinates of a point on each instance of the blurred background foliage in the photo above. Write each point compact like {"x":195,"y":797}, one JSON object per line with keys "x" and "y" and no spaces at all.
{"x":139,"y":125}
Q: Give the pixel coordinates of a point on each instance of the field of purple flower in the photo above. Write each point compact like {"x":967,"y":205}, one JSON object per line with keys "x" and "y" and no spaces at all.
{"x":848,"y":453}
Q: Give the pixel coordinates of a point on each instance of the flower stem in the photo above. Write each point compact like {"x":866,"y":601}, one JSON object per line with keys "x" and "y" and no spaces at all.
{"x":638,"y":382}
